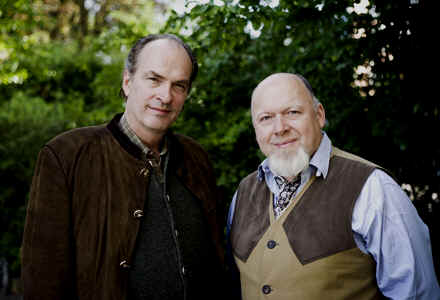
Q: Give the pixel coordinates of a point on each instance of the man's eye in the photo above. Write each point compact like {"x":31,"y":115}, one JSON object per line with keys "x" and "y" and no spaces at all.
{"x":264,"y":118}
{"x":180,"y":87}
{"x":293,"y":112}
{"x":153,"y":79}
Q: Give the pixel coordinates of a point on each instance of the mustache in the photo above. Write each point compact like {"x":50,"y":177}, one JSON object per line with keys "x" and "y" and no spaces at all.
{"x":283,"y":140}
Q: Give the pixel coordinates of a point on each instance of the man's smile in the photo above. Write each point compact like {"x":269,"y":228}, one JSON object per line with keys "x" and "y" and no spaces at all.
{"x":283,"y":144}
{"x":159,"y":110}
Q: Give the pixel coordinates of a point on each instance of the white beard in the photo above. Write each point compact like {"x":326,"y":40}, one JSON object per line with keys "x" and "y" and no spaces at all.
{"x":289,"y":163}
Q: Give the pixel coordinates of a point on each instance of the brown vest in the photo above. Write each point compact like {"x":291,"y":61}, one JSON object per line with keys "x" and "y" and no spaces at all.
{"x":309,"y":252}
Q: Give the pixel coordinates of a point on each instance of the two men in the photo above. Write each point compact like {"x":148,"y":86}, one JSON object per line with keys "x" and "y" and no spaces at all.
{"x":127,"y":210}
{"x":315,"y":222}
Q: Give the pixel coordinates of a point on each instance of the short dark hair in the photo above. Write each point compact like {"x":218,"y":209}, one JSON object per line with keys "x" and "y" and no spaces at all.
{"x":132,"y":58}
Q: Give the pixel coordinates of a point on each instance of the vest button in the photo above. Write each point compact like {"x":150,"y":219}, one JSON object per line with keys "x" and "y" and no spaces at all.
{"x":266,"y":289}
{"x":271,"y":244}
{"x":138,"y":214}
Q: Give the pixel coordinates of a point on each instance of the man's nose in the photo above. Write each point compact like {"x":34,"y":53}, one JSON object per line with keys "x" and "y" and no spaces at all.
{"x":280,"y":126}
{"x":164,"y":93}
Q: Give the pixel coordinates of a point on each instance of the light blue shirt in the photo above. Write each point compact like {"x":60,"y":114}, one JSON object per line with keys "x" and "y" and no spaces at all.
{"x":385,"y":225}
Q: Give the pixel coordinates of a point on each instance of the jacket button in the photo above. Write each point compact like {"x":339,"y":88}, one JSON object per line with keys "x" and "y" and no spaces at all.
{"x":271,"y":244}
{"x":266,"y":289}
{"x":124,"y":265}
{"x":138,"y":214}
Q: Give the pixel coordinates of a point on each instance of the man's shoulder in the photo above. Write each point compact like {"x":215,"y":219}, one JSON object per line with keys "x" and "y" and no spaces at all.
{"x":189,"y":151}
{"x":353,"y":162}
{"x":190,"y":147}
{"x":251,"y":178}
{"x":352,"y":157}
{"x":188,"y":142}
{"x":78,"y":137}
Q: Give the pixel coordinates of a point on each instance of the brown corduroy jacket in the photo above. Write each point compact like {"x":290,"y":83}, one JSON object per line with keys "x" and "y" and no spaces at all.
{"x":81,"y":228}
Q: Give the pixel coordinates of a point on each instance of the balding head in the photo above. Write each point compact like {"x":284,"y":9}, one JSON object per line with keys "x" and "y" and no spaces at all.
{"x":292,"y":83}
{"x":285,"y":114}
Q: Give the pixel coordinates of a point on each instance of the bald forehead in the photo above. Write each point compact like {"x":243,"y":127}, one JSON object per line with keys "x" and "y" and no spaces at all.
{"x":160,"y":44}
{"x":277,"y":78}
{"x":163,"y":52}
{"x":280,"y":82}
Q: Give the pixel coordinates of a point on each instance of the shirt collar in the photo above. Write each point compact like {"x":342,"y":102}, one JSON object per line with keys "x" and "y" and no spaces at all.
{"x":320,"y":160}
{"x":262,"y":169}
{"x":126,"y":129}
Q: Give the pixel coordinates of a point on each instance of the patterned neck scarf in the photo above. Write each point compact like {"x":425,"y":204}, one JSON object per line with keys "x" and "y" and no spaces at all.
{"x":287,"y":190}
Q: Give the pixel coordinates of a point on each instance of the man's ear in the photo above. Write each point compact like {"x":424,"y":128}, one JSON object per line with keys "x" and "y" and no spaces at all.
{"x":320,"y":115}
{"x":126,"y":83}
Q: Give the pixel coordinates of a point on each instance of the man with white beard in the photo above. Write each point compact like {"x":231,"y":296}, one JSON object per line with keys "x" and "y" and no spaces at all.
{"x":316,"y":222}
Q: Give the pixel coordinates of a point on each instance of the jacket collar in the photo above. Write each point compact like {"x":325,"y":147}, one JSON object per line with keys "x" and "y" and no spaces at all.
{"x":122,"y":138}
{"x":174,"y":146}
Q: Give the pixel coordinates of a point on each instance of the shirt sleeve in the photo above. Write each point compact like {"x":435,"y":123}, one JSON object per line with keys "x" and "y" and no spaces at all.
{"x":233,"y":275}
{"x":387,"y":226}
{"x":228,"y":229}
{"x":231,"y":214}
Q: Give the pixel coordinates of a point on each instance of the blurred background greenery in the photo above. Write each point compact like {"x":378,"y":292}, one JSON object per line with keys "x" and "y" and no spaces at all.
{"x":61,"y":63}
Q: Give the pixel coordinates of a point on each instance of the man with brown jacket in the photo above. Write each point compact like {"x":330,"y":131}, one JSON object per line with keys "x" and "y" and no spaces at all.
{"x":127,"y":210}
